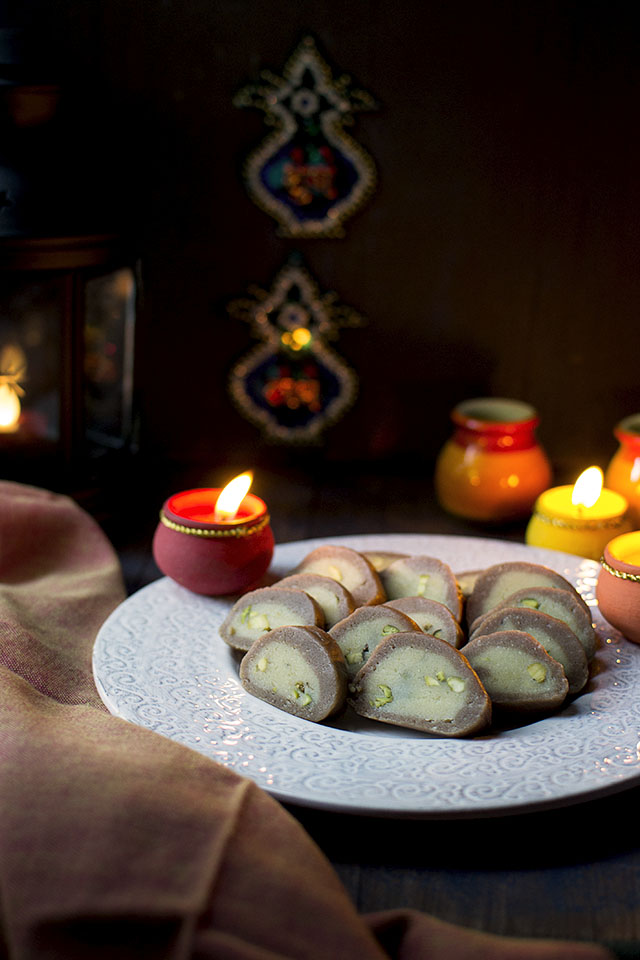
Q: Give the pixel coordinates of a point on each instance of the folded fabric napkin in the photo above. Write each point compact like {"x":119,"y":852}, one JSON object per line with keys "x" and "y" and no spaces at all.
{"x":116,"y":842}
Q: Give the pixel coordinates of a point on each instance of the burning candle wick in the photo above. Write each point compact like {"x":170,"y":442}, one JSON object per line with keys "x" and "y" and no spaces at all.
{"x":231,"y":497}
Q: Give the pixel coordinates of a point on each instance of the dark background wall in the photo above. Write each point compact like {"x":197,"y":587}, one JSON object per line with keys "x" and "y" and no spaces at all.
{"x":499,"y":254}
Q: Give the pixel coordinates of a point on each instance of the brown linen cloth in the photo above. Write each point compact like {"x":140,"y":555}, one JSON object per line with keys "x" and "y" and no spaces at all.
{"x":116,"y":842}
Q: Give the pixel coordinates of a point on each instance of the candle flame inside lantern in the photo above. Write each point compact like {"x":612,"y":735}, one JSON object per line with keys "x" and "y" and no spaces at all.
{"x":232,"y":496}
{"x":587,"y":487}
{"x":9,"y":408}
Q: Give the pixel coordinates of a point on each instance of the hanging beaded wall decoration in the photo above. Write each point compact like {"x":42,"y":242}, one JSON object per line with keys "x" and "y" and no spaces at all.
{"x":292,"y":385}
{"x":309,"y":174}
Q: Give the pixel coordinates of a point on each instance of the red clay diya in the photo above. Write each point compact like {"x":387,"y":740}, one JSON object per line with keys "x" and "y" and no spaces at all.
{"x":210,"y":554}
{"x":618,"y":587}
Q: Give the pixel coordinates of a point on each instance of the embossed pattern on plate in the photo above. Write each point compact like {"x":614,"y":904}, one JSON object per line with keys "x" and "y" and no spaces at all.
{"x":159,"y":662}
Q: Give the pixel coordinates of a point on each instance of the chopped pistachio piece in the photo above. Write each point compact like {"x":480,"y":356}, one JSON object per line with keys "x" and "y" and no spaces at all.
{"x":306,"y":700}
{"x":431,"y":681}
{"x":537,"y":672}
{"x":529,"y":602}
{"x":258,"y":621}
{"x":422,"y":583}
{"x":386,"y":697}
{"x":440,"y":676}
{"x":245,"y":613}
{"x":389,"y":628}
{"x":262,"y":664}
{"x":353,"y":656}
{"x":456,"y":684}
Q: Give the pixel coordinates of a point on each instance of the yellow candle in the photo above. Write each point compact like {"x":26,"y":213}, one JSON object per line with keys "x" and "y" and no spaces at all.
{"x":579,"y":519}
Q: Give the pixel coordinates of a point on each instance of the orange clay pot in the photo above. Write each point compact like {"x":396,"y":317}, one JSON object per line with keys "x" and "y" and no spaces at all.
{"x":618,"y":587}
{"x":623,"y":473}
{"x":492,"y":468}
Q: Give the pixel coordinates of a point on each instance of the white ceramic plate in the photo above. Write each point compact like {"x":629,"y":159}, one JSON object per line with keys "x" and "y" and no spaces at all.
{"x":159,"y":662}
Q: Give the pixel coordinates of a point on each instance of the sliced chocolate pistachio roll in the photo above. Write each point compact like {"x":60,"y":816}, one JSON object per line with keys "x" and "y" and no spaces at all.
{"x":265,"y":609}
{"x":297,"y":669}
{"x":467,"y":581}
{"x":336,"y":601}
{"x":566,"y":605}
{"x":380,"y":559}
{"x":349,"y":568}
{"x":499,"y":581}
{"x":517,"y":672}
{"x":414,"y":680}
{"x":556,"y":637}
{"x":423,"y":576}
{"x":360,"y":633}
{"x":432,"y":617}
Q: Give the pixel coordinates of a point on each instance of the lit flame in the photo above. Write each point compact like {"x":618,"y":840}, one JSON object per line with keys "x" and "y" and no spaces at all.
{"x":232,"y":496}
{"x":587,"y":487}
{"x":9,"y":408}
{"x":297,"y":339}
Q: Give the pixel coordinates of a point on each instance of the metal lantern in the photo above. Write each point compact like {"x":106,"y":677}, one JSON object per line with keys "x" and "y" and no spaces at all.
{"x":67,"y":330}
{"x":68,"y":282}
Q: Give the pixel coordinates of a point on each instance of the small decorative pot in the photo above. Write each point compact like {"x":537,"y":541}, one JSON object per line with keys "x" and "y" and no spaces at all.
{"x":618,"y":587}
{"x":213,"y":558}
{"x":493,"y":468}
{"x":623,"y":472}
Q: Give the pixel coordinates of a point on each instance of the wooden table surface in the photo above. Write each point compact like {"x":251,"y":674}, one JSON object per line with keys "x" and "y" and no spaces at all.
{"x":572,"y":872}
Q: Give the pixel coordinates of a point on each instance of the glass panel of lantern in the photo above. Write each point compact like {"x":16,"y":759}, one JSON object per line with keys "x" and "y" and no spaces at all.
{"x":31,"y":324}
{"x":67,"y":341}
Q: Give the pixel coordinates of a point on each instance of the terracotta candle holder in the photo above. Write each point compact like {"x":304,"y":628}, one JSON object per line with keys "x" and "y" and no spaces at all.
{"x":210,"y":556}
{"x":623,"y":472}
{"x":618,"y":587}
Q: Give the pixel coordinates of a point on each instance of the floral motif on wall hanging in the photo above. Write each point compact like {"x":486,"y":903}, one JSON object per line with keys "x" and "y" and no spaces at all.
{"x":309,"y":174}
{"x":292,"y":385}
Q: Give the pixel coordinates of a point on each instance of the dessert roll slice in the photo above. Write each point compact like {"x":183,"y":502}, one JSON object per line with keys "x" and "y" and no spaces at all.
{"x":360,"y":633}
{"x":265,"y":609}
{"x":499,"y":581}
{"x":556,"y":637}
{"x":380,"y":559}
{"x":336,"y":601}
{"x":517,"y":672}
{"x":423,"y":576}
{"x":349,"y":568}
{"x":566,"y":605}
{"x":414,"y":680}
{"x":432,"y":617}
{"x":297,"y":669}
{"x":467,"y":581}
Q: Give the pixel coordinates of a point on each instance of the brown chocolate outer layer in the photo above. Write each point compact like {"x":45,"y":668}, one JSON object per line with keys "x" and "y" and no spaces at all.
{"x":477,"y":603}
{"x":375,"y":615}
{"x":575,"y":605}
{"x":371,"y":590}
{"x":517,"y":639}
{"x":325,"y":660}
{"x":308,"y":581}
{"x":303,"y":608}
{"x":471,"y":719}
{"x":541,"y":626}
{"x":423,"y":564}
{"x":443,"y":619}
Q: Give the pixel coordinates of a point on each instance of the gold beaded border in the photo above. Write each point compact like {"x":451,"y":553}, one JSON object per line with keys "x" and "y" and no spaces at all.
{"x":621,"y":574}
{"x":584,"y":525}
{"x":240,"y":531}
